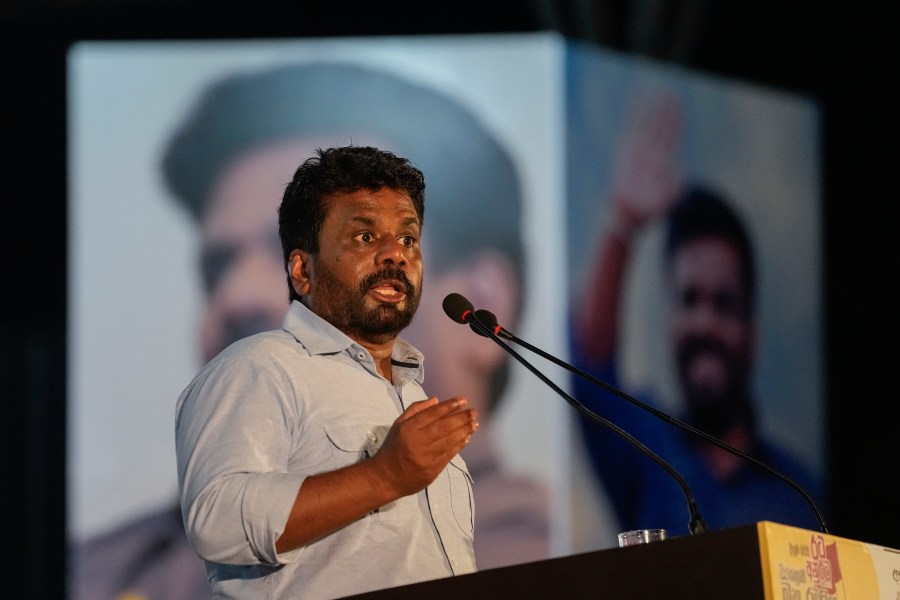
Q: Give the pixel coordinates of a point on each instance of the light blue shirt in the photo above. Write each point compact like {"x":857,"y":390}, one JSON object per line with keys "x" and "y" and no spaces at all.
{"x":279,"y":406}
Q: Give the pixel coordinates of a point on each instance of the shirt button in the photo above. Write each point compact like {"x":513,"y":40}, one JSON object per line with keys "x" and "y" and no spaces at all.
{"x":371,"y":436}
{"x":360,"y":356}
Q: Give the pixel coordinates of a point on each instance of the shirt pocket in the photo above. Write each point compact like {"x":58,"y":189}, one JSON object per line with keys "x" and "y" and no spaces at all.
{"x":351,"y":443}
{"x":462,"y":498}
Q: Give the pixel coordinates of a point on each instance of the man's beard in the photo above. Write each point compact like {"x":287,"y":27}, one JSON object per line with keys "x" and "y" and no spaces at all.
{"x":714,"y":409}
{"x":345,"y":308}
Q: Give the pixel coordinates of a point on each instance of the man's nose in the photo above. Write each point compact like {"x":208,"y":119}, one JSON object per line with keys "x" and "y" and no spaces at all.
{"x":706,"y":316}
{"x":392,"y":251}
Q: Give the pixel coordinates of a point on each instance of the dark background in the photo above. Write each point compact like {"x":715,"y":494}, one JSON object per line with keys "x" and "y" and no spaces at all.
{"x":843,"y":55}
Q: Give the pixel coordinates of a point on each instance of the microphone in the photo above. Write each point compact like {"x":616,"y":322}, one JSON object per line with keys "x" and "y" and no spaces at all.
{"x":458,"y":307}
{"x":489,"y":320}
{"x":461,"y":310}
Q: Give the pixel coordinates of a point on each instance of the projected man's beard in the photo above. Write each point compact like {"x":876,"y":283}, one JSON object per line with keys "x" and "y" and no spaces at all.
{"x":713,"y":405}
{"x":345,"y":307}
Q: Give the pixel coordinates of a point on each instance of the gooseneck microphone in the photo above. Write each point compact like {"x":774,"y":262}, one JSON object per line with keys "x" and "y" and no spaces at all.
{"x":489,"y":323}
{"x":461,"y":310}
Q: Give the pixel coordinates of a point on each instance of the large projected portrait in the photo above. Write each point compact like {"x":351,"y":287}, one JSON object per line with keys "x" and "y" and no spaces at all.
{"x":180,"y":156}
{"x":694,"y":241}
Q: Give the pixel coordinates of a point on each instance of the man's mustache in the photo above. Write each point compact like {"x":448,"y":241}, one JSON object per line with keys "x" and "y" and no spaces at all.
{"x":694,"y":346}
{"x":388,"y":274}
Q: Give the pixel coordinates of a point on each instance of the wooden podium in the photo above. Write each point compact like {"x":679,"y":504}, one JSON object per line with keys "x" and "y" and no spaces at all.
{"x":765,"y":561}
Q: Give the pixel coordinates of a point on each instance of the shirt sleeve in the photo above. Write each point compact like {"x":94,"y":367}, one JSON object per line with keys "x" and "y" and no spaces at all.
{"x":233,"y":439}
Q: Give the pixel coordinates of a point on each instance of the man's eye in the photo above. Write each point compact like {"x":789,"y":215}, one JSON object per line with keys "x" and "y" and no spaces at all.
{"x":728,"y":304}
{"x":689,"y":298}
{"x":407,"y":240}
{"x":215,"y":261}
{"x":365,"y":237}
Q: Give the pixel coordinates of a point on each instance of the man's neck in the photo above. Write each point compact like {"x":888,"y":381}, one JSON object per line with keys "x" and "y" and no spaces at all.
{"x":735,"y":426}
{"x":723,"y":463}
{"x":381,"y":354}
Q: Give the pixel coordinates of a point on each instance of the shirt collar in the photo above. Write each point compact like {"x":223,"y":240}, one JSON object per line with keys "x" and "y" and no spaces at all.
{"x":319,"y":336}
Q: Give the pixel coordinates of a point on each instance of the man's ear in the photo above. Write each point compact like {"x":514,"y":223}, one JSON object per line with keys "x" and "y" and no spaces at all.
{"x":298,"y":269}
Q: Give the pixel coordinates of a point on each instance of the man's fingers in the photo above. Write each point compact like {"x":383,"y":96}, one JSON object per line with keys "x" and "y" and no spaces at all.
{"x":417,"y":407}
{"x":452,"y":430}
{"x":432,"y":410}
{"x":435,"y":431}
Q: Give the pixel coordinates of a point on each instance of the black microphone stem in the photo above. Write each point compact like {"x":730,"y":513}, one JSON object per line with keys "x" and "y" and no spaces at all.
{"x":697,"y":523}
{"x":670,"y":419}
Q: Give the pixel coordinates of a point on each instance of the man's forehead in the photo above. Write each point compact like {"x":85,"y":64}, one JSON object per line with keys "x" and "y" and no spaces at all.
{"x":372,"y":205}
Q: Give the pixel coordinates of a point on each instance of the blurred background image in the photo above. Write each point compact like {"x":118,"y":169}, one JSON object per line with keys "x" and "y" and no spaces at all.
{"x":580,"y":148}
{"x":200,"y":138}
{"x":220,"y":132}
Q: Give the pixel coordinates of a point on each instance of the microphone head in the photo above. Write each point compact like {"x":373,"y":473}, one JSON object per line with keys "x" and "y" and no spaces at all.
{"x":486,"y":318}
{"x":457,"y":307}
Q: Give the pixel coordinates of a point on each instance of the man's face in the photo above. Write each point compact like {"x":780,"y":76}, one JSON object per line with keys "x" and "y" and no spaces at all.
{"x":242,"y":264}
{"x":367,"y":276}
{"x":712,"y":334}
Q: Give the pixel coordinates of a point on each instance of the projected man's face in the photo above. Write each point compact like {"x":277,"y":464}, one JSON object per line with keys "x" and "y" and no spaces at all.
{"x":712,"y":331}
{"x":241,"y":258}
